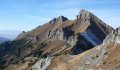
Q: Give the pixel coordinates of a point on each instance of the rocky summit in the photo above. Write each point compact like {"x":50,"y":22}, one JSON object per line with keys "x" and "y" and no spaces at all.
{"x":84,"y":43}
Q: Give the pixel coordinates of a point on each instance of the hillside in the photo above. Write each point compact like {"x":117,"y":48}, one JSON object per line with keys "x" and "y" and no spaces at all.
{"x":103,"y":57}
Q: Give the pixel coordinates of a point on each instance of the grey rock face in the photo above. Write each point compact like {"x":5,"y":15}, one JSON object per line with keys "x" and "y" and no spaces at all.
{"x":72,"y":40}
{"x":63,"y":34}
{"x":84,"y":15}
{"x":42,"y":64}
{"x":114,"y":36}
{"x":60,"y":19}
{"x":53,"y":21}
{"x":53,"y":35}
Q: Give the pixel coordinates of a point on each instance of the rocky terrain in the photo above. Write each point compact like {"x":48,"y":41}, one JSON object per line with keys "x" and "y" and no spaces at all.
{"x":103,"y":57}
{"x":62,"y":44}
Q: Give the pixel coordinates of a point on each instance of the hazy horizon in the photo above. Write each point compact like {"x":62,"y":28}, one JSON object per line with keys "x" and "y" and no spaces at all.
{"x":10,"y":34}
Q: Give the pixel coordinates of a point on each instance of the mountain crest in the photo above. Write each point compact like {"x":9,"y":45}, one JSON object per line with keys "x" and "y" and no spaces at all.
{"x":114,"y":36}
{"x":59,"y":19}
{"x":84,"y":11}
{"x":84,"y":14}
{"x":62,"y":18}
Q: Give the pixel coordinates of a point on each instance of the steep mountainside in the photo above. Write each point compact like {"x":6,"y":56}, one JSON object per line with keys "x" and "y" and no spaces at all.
{"x":59,"y":38}
{"x":103,"y":57}
{"x":86,"y":30}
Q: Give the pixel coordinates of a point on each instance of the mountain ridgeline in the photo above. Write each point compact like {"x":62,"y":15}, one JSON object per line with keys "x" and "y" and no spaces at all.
{"x":56,"y":42}
{"x":85,"y":32}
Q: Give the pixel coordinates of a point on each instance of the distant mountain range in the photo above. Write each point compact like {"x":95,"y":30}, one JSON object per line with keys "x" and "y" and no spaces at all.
{"x":10,"y":34}
{"x":84,"y":43}
{"x":2,"y":39}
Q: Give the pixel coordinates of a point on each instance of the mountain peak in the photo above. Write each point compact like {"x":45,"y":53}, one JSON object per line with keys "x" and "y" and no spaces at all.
{"x":84,"y":14}
{"x":62,"y":18}
{"x":83,"y":11}
{"x":59,"y":19}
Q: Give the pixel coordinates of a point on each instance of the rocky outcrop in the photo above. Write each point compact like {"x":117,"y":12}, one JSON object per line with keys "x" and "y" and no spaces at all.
{"x":114,"y":36}
{"x":60,"y":19}
{"x":42,"y":64}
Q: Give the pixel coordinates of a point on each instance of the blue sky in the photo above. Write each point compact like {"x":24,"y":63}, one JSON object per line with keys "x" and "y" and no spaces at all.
{"x":25,"y":15}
